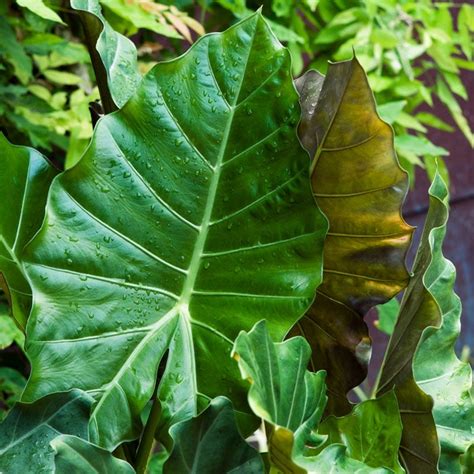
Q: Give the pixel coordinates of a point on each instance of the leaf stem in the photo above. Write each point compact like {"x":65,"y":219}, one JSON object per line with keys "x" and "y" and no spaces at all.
{"x":92,"y":29}
{"x":148,"y":436}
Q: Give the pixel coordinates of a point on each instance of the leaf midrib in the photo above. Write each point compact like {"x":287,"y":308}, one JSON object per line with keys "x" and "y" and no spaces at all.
{"x":182,"y":306}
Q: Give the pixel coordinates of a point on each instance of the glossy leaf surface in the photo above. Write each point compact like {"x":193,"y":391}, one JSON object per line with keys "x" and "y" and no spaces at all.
{"x":437,"y":370}
{"x":27,"y":430}
{"x":211,"y":443}
{"x":289,"y":398}
{"x":75,"y":455}
{"x":25,"y":179}
{"x":189,"y":218}
{"x":360,"y":187}
{"x":334,"y":459}
{"x":371,"y":432}
{"x":116,"y":52}
{"x":419,"y":310}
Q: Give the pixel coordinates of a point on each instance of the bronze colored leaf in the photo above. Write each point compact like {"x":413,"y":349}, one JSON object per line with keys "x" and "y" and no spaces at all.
{"x":359,"y":185}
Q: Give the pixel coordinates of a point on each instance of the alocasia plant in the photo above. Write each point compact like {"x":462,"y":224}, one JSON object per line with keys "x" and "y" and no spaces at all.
{"x":217,"y":230}
{"x":189,"y":232}
{"x":360,"y":187}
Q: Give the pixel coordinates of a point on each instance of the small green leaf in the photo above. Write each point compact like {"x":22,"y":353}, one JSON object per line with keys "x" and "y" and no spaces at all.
{"x":212,"y":444}
{"x":391,"y":110}
{"x":408,"y":121}
{"x":39,"y":8}
{"x":432,"y":121}
{"x":419,"y":145}
{"x":61,"y":77}
{"x":385,"y":38}
{"x":14,"y":53}
{"x":448,"y":99}
{"x":28,"y":428}
{"x":9,"y":332}
{"x":75,"y":455}
{"x":289,"y":398}
{"x":371,"y":432}
{"x":139,"y":17}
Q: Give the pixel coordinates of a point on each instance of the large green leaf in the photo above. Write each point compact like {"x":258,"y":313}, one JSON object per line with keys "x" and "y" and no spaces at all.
{"x":27,"y":430}
{"x":437,"y":370}
{"x":113,"y":55}
{"x":25,"y":179}
{"x":291,"y":401}
{"x":73,"y":454}
{"x":189,"y":218}
{"x":289,"y":398}
{"x":211,"y":443}
{"x":424,"y":303}
{"x":371,"y":432}
{"x":360,"y":187}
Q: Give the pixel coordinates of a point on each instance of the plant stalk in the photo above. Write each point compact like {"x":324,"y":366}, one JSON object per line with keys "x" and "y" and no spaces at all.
{"x":92,"y":30}
{"x":148,"y":436}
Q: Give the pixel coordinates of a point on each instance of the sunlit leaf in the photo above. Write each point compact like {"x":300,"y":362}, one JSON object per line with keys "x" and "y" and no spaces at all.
{"x":39,"y":8}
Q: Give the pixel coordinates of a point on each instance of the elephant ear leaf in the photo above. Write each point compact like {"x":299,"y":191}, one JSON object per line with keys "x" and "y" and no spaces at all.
{"x":429,"y":320}
{"x":211,"y":443}
{"x":371,"y":432}
{"x":189,"y":218}
{"x":436,"y":368}
{"x":360,"y":187}
{"x":73,"y":454}
{"x":25,"y":180}
{"x":27,"y":430}
{"x":113,"y":56}
{"x":448,"y":380}
{"x":289,"y":398}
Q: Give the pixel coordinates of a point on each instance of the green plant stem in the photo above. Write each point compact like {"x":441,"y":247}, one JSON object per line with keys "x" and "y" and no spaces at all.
{"x":92,"y":29}
{"x":148,"y":437}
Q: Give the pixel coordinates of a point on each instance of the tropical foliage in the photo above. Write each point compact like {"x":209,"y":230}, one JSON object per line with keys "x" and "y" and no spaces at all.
{"x":198,"y":277}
